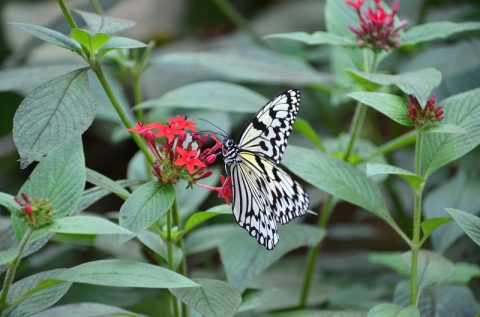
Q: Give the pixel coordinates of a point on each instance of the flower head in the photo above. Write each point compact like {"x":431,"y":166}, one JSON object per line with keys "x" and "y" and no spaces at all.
{"x":430,"y":113}
{"x":377,"y":29}
{"x":189,"y":159}
{"x":36,"y":211}
{"x":182,"y":123}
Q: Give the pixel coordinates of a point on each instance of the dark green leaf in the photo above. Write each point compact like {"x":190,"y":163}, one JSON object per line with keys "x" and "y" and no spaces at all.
{"x":214,"y":298}
{"x":317,"y":38}
{"x":199,"y":217}
{"x":104,"y":182}
{"x":307,"y":130}
{"x":243,"y":258}
{"x":435,"y":30}
{"x":392,"y":310}
{"x":124,"y":273}
{"x":144,"y":206}
{"x":53,"y":114}
{"x":412,"y":179}
{"x":429,"y":225}
{"x":469,"y":223}
{"x":86,"y":225}
{"x":48,"y":35}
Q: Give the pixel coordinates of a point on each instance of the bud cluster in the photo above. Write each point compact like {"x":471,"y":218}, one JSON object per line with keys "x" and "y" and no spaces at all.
{"x":36,"y":211}
{"x":419,"y":116}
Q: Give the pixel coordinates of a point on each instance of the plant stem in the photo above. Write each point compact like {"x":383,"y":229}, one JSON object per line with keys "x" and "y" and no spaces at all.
{"x":137,"y":96}
{"x":239,"y":21}
{"x":417,"y":218}
{"x":123,"y":116}
{"x":96,"y":7}
{"x":312,"y":256}
{"x":183,"y":264}
{"x":12,"y":267}
{"x":357,"y":123}
{"x":67,"y":14}
{"x":171,"y":265}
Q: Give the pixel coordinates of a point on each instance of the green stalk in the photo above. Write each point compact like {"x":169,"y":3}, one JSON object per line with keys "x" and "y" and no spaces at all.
{"x":171,"y":265}
{"x":183,"y":264}
{"x":357,"y":123}
{"x":96,"y":7}
{"x":12,"y":267}
{"x":239,"y":21}
{"x":67,"y":14}
{"x":312,"y":256}
{"x":401,"y":141}
{"x":417,"y":219}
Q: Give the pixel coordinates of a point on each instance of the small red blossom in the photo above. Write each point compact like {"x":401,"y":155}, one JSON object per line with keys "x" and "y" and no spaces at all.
{"x":430,"y":113}
{"x":224,"y":191}
{"x":377,"y":29}
{"x":181,"y":123}
{"x":189,"y":159}
{"x":143,"y":130}
{"x":168,"y":131}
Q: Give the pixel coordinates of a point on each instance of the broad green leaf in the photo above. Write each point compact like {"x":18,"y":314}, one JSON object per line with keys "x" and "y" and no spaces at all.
{"x":104,"y":24}
{"x":124,"y":273}
{"x":445,"y":300}
{"x":86,"y":225}
{"x":439,"y":149}
{"x":25,"y":79}
{"x":91,"y":42}
{"x":53,"y":114}
{"x":463,"y":273}
{"x":392,"y":310}
{"x":392,"y":260}
{"x":65,"y":167}
{"x":392,"y":106}
{"x":431,"y":268}
{"x":122,"y":42}
{"x":104,"y":182}
{"x":243,"y":258}
{"x":337,"y":178}
{"x":211,"y":95}
{"x":144,"y":206}
{"x":48,"y":35}
{"x":429,"y":225}
{"x":213,"y":298}
{"x":320,"y":313}
{"x":199,"y":217}
{"x":37,"y":295}
{"x":469,"y":223}
{"x":154,"y":242}
{"x":435,"y":30}
{"x":249,"y":65}
{"x":304,"y":127}
{"x":206,"y":238}
{"x":419,"y":83}
{"x":8,"y":255}
{"x":85,"y":310}
{"x":445,"y":128}
{"x":412,"y":179}
{"x":316,"y":38}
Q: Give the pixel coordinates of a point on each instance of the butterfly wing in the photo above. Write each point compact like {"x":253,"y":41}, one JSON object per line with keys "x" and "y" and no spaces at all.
{"x":268,"y":131}
{"x":262,"y":195}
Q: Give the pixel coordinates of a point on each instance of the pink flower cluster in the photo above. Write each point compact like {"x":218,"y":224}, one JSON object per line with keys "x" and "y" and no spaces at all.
{"x":420,"y":116}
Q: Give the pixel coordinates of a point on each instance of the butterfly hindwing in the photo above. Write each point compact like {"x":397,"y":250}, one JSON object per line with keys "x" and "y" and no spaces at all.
{"x":268,"y":132}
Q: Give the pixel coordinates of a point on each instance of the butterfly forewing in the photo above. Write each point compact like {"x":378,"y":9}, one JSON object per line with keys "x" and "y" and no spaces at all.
{"x":268,"y":132}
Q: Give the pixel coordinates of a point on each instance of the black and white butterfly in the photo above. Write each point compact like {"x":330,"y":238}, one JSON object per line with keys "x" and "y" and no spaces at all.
{"x":263,"y":193}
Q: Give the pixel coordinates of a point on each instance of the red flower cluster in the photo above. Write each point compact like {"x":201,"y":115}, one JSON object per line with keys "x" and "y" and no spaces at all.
{"x":37,"y":211}
{"x":182,"y":153}
{"x":224,"y":190}
{"x":377,"y":30}
{"x":420,"y":116}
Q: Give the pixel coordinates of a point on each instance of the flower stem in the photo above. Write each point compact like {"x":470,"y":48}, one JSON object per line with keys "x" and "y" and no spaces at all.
{"x":171,"y":265}
{"x":67,"y":14}
{"x":12,"y":267}
{"x":417,"y":218}
{"x":357,"y":123}
{"x":123,"y":116}
{"x":312,"y":256}
{"x":183,"y":264}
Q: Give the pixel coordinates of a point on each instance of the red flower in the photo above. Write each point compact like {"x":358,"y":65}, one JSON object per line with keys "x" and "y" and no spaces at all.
{"x":189,"y":159}
{"x":420,"y":116}
{"x":357,"y":4}
{"x":144,"y":130}
{"x":168,"y":131}
{"x":224,"y":191}
{"x":181,"y":123}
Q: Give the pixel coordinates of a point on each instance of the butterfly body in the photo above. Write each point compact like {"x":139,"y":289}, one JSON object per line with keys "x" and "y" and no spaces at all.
{"x":263,"y":193}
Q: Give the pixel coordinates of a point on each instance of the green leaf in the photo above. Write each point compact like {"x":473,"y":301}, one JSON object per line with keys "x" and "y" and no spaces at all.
{"x":463,"y":273}
{"x":250,"y":65}
{"x":122,"y":42}
{"x":104,"y":24}
{"x":200,"y":217}
{"x":444,"y":128}
{"x":337,"y":178}
{"x":392,"y":260}
{"x":144,"y":206}
{"x":431,"y":268}
{"x":317,"y":38}
{"x":85,"y":310}
{"x":304,"y":127}
{"x":469,"y":223}
{"x":124,"y":273}
{"x":214,"y":298}
{"x":419,"y":83}
{"x":8,"y":201}
{"x":206,"y":238}
{"x":211,"y":95}
{"x":320,"y":313}
{"x":154,"y":242}
{"x":25,"y":79}
{"x":435,"y":30}
{"x":91,"y":42}
{"x":86,"y":225}
{"x":243,"y":258}
{"x":392,"y":310}
{"x":412,"y":179}
{"x":65,"y":167}
{"x":104,"y":182}
{"x":429,"y":225}
{"x":439,"y":149}
{"x":8,"y":255}
{"x":37,"y":295}
{"x":48,"y":35}
{"x":53,"y":114}
{"x":392,"y":106}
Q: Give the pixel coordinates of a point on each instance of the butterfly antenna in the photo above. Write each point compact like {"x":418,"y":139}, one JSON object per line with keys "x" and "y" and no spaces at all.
{"x":225,"y":133}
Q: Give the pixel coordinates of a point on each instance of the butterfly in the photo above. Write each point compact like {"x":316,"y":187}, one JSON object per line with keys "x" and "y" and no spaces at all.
{"x":263,"y":193}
